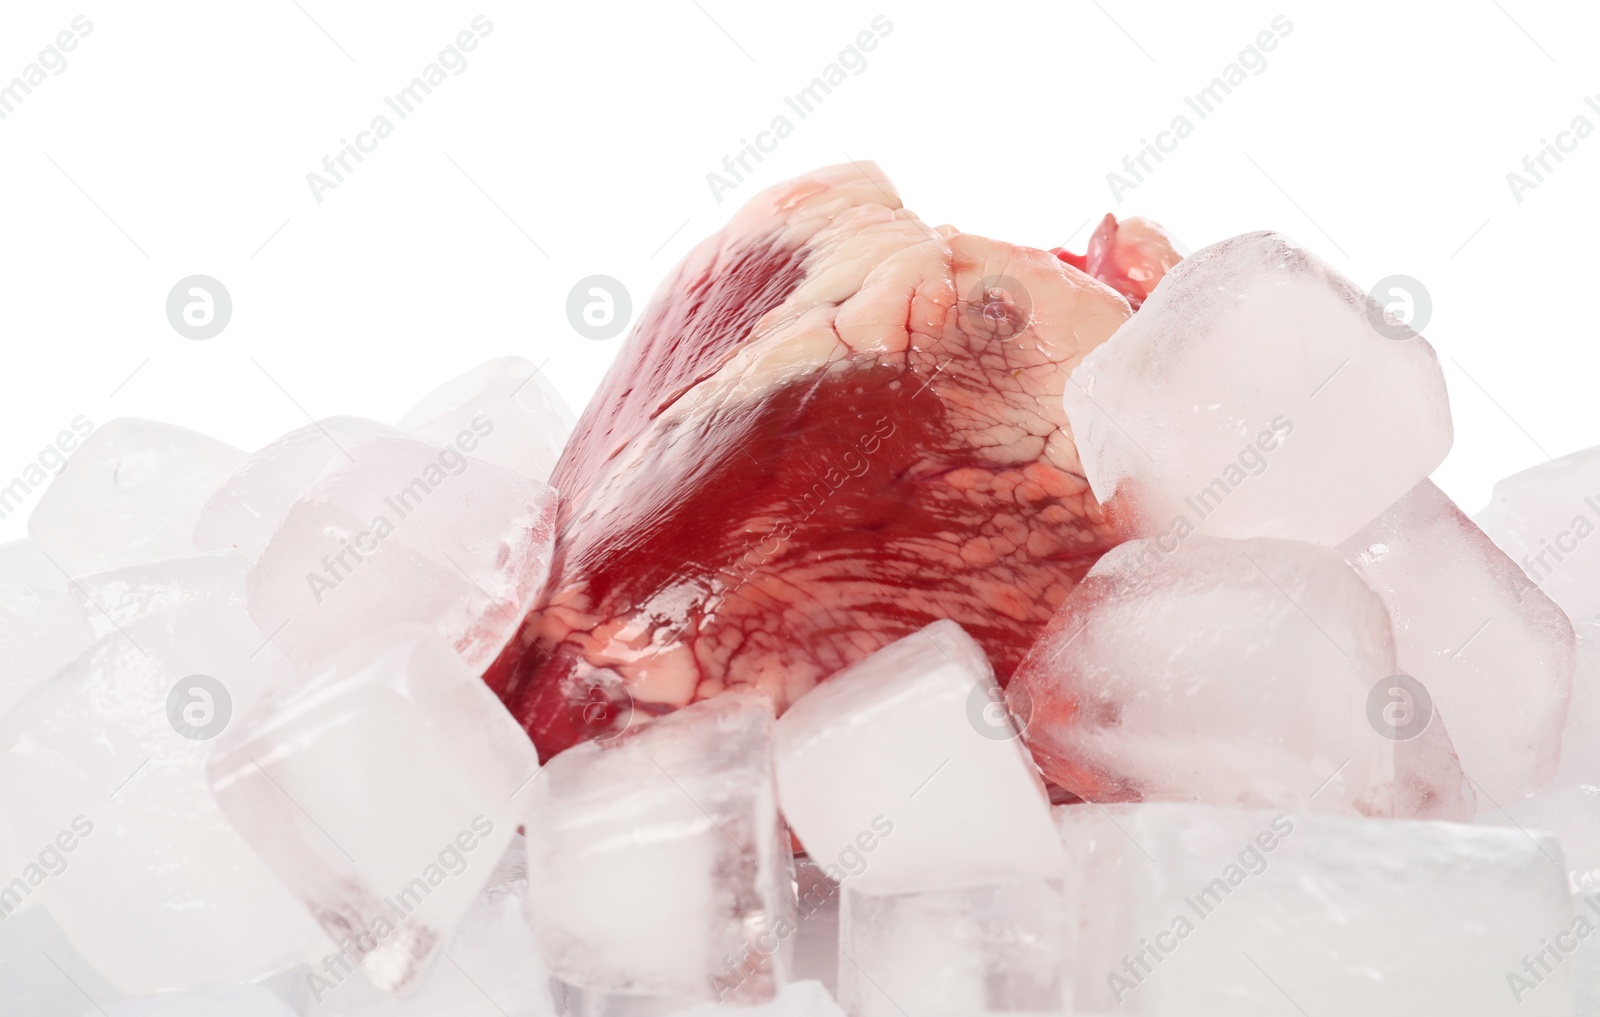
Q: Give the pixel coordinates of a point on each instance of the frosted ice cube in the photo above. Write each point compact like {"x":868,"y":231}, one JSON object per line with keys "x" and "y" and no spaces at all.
{"x":1580,"y":740}
{"x":252,"y":502}
{"x":503,"y":411}
{"x":1253,"y":396}
{"x":116,"y":598}
{"x":1223,"y":671}
{"x":130,"y":494}
{"x":896,"y":778}
{"x":1572,"y":816}
{"x":42,"y":629}
{"x":379,"y":789}
{"x":405,"y":532}
{"x":490,"y":967}
{"x":1544,"y":518}
{"x":102,"y":770}
{"x":976,"y":950}
{"x":1197,"y":911}
{"x":657,"y":864}
{"x":37,"y":966}
{"x":24,"y":563}
{"x":1494,"y":652}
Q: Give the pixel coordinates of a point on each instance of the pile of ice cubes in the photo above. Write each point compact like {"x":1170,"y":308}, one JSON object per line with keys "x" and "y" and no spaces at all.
{"x":1308,"y":741}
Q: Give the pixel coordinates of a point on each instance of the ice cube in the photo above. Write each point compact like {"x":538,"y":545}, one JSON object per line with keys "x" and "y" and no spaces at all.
{"x":42,"y":629}
{"x":1543,"y":518}
{"x":102,"y":771}
{"x":816,"y":937}
{"x":1234,"y":672}
{"x":252,"y":502}
{"x":985,"y":949}
{"x":405,"y":532}
{"x":130,"y":494}
{"x":1572,"y":816}
{"x":24,"y":563}
{"x":503,"y":411}
{"x":1257,"y":393}
{"x":1494,"y":652}
{"x":657,"y":864}
{"x":803,"y":998}
{"x":116,"y":598}
{"x":379,"y":789}
{"x":901,"y":773}
{"x":1580,"y":740}
{"x":490,"y":967}
{"x":1189,"y":910}
{"x":233,"y":1000}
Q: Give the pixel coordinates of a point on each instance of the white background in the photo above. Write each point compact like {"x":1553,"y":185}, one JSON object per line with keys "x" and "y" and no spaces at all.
{"x":578,"y":139}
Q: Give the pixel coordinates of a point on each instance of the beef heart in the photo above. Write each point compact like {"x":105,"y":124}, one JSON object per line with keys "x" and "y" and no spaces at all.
{"x":832,"y":426}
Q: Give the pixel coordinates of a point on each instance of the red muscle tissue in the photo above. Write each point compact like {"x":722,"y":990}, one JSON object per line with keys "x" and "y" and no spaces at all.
{"x":832,"y":426}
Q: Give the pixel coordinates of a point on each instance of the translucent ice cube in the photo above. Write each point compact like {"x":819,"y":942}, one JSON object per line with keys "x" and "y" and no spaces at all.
{"x":1198,"y":911}
{"x":131,"y":493}
{"x":102,"y":773}
{"x":379,"y":789}
{"x":1223,"y":671}
{"x":976,"y":950}
{"x":1257,"y":393}
{"x":1494,"y":652}
{"x":816,"y":937}
{"x":1580,"y":740}
{"x":116,"y":598}
{"x":503,"y":411}
{"x":656,"y":861}
{"x":405,"y":532}
{"x":252,"y":502}
{"x":896,"y":777}
{"x":804,"y":998}
{"x":42,"y":629}
{"x":23,"y":563}
{"x":1544,"y":518}
{"x":1572,"y":816}
{"x":490,"y":967}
